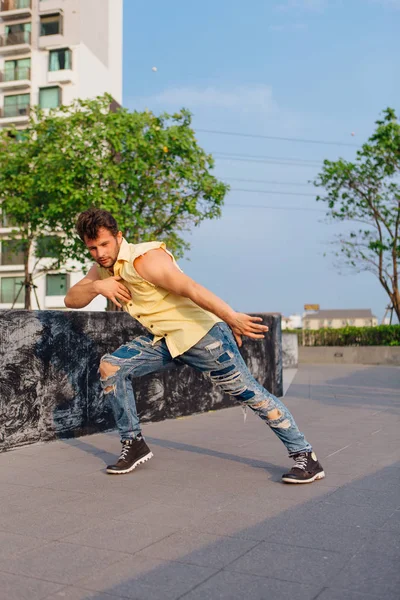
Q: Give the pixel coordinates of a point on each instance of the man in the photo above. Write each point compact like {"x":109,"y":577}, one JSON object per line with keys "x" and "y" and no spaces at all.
{"x":187,"y":324}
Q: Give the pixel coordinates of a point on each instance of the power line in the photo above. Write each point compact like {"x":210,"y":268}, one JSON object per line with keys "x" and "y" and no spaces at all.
{"x":273,"y":192}
{"x":298,"y":208}
{"x":259,"y":157}
{"x":297,"y":183}
{"x":282,"y":139}
{"x":270,"y":162}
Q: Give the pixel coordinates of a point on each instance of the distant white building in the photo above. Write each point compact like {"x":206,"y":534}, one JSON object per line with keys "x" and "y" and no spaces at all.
{"x":292,"y":322}
{"x":51,"y":52}
{"x":334,"y":319}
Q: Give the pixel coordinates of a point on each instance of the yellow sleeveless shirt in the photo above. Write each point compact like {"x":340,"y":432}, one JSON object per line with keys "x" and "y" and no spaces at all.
{"x":166,"y":315}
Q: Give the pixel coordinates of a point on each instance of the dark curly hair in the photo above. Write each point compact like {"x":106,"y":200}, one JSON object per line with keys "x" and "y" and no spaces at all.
{"x":90,"y":221}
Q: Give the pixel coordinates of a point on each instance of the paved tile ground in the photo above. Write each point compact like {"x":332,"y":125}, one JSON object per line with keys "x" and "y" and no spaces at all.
{"x":208,"y":518}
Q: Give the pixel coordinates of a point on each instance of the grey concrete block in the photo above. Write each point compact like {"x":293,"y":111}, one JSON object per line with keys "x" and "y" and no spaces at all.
{"x":147,"y":578}
{"x":121,"y":535}
{"x":201,"y":549}
{"x":228,"y":585}
{"x":60,"y":563}
{"x":290,"y":351}
{"x":61,"y":350}
{"x":291,"y":564}
{"x":17,"y":587}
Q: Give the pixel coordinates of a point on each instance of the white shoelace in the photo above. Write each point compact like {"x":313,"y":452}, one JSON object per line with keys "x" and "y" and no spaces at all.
{"x":124,"y":451}
{"x":301,"y":461}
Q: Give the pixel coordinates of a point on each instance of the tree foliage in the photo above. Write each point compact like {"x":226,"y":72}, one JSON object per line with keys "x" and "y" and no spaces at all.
{"x":148,"y":170}
{"x":366,"y":193}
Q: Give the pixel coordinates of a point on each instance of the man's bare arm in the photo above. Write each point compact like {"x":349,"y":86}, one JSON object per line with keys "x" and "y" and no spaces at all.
{"x":83,"y":292}
{"x":157,"y":267}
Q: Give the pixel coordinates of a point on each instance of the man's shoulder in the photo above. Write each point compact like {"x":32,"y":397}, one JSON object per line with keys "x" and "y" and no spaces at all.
{"x":143,"y":247}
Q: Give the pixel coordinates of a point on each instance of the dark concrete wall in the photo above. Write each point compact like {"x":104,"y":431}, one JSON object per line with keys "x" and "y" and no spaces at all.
{"x":49,"y":384}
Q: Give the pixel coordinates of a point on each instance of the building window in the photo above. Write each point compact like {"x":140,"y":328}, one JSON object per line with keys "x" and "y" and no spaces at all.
{"x":16,"y":105}
{"x":11,"y":290}
{"x":48,"y":246}
{"x":19,"y":33}
{"x":352,"y":321}
{"x":60,"y":59}
{"x":306,"y":324}
{"x":321,"y":324}
{"x":7,"y":220}
{"x":12,"y":252}
{"x":330,"y":323}
{"x":56,"y":285}
{"x":16,"y":4}
{"x":16,"y":70}
{"x":50,"y":97}
{"x":51,"y":24}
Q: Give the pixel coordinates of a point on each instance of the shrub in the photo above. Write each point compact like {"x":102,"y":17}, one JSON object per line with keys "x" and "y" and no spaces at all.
{"x":382,"y":335}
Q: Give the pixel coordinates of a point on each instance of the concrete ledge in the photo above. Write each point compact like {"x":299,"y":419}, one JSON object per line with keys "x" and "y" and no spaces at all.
{"x":350,"y":355}
{"x":49,"y":383}
{"x":290,"y":351}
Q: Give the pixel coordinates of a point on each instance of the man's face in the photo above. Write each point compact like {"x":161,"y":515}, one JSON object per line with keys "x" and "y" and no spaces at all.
{"x":104,"y":249}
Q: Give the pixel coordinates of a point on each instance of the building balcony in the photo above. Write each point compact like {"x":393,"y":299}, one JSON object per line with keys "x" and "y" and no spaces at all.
{"x":60,"y":76}
{"x":50,"y":6}
{"x":11,"y":9}
{"x":12,"y":43}
{"x":16,"y":79}
{"x":10,"y":115}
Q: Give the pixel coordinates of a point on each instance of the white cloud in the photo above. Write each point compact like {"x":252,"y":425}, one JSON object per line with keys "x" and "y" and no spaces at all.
{"x":256,"y":98}
{"x":304,"y":5}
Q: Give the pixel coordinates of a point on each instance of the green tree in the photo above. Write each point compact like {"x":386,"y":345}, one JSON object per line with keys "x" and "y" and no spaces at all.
{"x":148,"y":170}
{"x":366,"y":192}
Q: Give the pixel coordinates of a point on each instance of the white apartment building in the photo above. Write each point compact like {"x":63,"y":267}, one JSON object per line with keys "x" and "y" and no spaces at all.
{"x":51,"y":52}
{"x":335,"y":319}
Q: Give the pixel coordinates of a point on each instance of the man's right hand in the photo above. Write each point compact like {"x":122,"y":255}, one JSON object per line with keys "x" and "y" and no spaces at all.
{"x":112,"y":289}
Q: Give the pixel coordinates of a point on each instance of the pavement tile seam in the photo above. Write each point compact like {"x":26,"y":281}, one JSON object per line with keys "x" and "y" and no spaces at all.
{"x":43,"y":542}
{"x":187,"y":562}
{"x":225,"y":570}
{"x":63,"y":540}
{"x":74,"y":587}
{"x":20,"y":574}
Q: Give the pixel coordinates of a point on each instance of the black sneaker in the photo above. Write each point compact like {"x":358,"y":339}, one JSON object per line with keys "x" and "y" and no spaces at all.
{"x":133,"y":453}
{"x":306,"y":469}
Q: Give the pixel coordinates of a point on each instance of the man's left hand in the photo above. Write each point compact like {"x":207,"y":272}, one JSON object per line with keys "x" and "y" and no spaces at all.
{"x":242,"y":324}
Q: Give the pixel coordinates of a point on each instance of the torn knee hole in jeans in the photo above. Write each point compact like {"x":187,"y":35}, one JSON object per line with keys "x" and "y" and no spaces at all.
{"x":107,"y":375}
{"x":108,"y":388}
{"x":275,"y":419}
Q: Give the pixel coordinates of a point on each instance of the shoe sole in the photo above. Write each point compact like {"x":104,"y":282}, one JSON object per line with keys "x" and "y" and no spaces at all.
{"x":136,"y":464}
{"x":320,"y":475}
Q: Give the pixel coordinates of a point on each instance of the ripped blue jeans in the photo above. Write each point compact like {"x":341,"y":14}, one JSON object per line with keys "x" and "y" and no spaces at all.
{"x":217,"y":356}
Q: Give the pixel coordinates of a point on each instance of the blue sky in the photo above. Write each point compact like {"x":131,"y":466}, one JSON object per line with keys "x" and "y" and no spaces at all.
{"x":310,"y":69}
